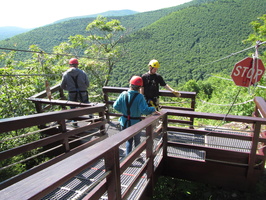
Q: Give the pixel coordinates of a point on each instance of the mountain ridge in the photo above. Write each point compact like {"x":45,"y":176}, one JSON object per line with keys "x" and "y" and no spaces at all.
{"x":10,"y":31}
{"x":108,"y":13}
{"x":57,"y":32}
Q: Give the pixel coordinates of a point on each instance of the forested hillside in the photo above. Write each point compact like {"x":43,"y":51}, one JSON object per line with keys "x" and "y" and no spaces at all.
{"x":52,"y":35}
{"x":105,"y":14}
{"x":186,"y":40}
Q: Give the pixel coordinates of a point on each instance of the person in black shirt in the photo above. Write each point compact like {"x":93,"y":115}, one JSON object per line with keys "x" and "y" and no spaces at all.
{"x":151,"y":83}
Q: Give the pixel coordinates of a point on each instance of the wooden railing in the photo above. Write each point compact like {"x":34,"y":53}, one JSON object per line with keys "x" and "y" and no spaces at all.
{"x":53,"y":138}
{"x":43,"y":103}
{"x":221,"y":165}
{"x":190,"y":96}
{"x":226,"y":162}
{"x":36,"y":185}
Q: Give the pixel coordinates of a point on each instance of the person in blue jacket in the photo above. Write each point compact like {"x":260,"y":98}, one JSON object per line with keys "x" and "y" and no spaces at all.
{"x":132,"y":105}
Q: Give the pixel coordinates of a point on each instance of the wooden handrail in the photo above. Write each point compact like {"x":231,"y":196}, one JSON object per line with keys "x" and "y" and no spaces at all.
{"x":164,"y":93}
{"x":260,"y":109}
{"x":60,"y":135}
{"x":74,"y":161}
{"x":42,"y":118}
{"x":44,"y":182}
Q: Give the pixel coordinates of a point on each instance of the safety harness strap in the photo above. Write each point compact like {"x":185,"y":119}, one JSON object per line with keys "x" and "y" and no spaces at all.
{"x":128,"y":104}
{"x":78,"y":92}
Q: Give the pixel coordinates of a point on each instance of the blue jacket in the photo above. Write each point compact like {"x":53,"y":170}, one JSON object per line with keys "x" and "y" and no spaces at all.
{"x":139,"y":107}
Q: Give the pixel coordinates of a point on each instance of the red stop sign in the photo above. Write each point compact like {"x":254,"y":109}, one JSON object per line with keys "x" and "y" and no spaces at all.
{"x":247,"y":73}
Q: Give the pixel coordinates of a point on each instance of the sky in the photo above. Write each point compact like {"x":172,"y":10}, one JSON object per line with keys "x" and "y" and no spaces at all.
{"x":33,"y":14}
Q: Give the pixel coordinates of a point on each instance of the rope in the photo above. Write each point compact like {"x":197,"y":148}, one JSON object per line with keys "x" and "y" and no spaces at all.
{"x":30,"y":74}
{"x":228,"y":110}
{"x":41,"y":52}
{"x":48,"y":53}
{"x":227,"y":104}
{"x":232,"y":105}
{"x":264,"y":87}
{"x":232,"y":54}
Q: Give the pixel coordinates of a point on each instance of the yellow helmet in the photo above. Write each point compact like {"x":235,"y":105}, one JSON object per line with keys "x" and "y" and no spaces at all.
{"x":154,"y":63}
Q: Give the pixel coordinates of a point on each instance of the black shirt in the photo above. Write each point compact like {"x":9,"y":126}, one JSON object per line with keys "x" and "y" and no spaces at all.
{"x":151,"y":83}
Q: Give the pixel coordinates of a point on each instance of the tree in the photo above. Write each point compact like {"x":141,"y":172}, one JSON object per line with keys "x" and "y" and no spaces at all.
{"x":98,"y":52}
{"x":105,"y":37}
{"x":259,"y":34}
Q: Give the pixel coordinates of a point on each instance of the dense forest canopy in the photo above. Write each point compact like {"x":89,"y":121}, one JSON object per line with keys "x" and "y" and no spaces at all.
{"x":183,"y":38}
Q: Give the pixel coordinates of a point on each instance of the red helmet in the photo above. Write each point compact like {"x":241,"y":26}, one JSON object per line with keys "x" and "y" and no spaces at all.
{"x":136,"y":80}
{"x":73,"y":61}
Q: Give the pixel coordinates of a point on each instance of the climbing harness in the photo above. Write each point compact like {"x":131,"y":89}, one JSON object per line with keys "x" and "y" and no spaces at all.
{"x":154,"y":103}
{"x":77,"y":91}
{"x":128,"y":104}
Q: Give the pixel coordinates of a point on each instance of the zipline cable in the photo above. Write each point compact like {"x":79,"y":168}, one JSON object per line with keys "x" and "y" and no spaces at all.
{"x":232,"y":54}
{"x":40,"y":52}
{"x":261,"y":86}
{"x":48,"y":53}
{"x":30,"y":74}
{"x":235,"y":104}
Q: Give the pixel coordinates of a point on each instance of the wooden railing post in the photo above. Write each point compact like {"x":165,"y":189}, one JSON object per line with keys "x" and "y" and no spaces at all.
{"x":102,"y":128}
{"x":150,"y":156}
{"x":252,"y":155}
{"x":105,"y":97}
{"x":63,"y":129}
{"x":113,"y":180}
{"x":165,"y":138}
{"x":193,"y":105}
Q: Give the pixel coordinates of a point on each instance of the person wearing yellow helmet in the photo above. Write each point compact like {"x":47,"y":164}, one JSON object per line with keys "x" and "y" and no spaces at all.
{"x":151,"y":84}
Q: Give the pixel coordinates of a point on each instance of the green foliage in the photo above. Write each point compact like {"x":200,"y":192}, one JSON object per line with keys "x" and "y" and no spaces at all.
{"x":104,"y":45}
{"x":52,"y":35}
{"x":17,"y":165}
{"x":183,"y":38}
{"x":101,"y":46}
{"x":187,"y":40}
{"x":182,"y":43}
{"x":259,"y":27}
{"x":169,"y":188}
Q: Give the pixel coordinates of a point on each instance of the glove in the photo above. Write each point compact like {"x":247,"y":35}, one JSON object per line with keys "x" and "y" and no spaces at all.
{"x":176,"y":93}
{"x":153,"y":105}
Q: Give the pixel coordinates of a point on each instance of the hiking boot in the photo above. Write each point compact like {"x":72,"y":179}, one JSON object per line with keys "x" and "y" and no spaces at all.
{"x":140,"y":159}
{"x":75,"y":124}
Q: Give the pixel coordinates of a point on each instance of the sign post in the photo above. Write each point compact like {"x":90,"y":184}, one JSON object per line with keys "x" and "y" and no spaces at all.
{"x":247,"y":72}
